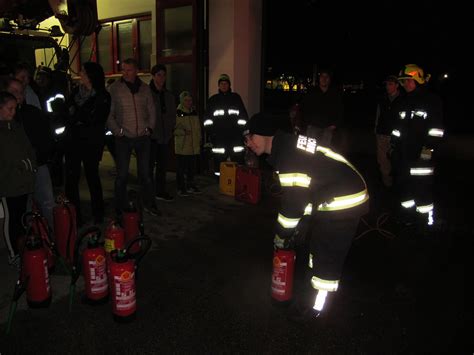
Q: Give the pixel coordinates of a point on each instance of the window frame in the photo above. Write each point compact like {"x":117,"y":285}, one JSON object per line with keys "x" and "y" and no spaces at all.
{"x":114,"y":41}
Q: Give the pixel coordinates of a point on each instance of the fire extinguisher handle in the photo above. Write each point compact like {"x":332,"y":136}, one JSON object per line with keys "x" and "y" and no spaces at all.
{"x":143,"y":250}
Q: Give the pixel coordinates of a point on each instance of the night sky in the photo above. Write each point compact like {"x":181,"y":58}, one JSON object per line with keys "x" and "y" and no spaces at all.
{"x":362,"y":40}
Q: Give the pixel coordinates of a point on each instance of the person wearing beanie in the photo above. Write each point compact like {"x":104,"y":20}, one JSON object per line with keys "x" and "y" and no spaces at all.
{"x":89,"y":108}
{"x":223,"y":123}
{"x":163,"y":131}
{"x":187,"y":143}
{"x":324,"y":197}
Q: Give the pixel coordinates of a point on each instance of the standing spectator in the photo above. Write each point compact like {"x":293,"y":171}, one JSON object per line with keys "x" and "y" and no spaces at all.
{"x":37,"y":129}
{"x":323,"y":109}
{"x":187,"y":144}
{"x":22,"y":73}
{"x":165,"y":106}
{"x":17,"y":175}
{"x":415,"y":138}
{"x":224,"y":121}
{"x":386,"y":116}
{"x":131,"y":118}
{"x":89,"y":107}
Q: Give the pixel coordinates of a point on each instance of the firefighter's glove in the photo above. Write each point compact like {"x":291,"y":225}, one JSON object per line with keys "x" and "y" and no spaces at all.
{"x":281,"y":243}
{"x":302,"y":229}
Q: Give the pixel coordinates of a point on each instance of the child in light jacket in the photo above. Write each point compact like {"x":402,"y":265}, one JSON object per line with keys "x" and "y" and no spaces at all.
{"x":187,"y":138}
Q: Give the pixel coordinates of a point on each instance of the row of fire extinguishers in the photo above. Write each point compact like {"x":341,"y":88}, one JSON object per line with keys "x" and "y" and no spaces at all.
{"x":108,"y":268}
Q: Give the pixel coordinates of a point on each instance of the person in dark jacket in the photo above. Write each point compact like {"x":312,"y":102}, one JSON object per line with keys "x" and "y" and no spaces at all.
{"x":17,"y":175}
{"x":89,"y":108}
{"x":162,"y":132}
{"x":416,"y":136}
{"x":386,"y":116}
{"x":322,"y":190}
{"x":37,"y":128}
{"x":323,"y":109}
{"x":224,"y":120}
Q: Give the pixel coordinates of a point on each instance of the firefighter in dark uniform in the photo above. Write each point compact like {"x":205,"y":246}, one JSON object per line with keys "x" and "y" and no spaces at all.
{"x":415,"y":137}
{"x":322,"y":190}
{"x":224,"y":121}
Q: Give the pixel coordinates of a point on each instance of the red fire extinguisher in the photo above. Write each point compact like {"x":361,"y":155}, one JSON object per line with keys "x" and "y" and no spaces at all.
{"x":65,"y":228}
{"x":123,"y":267}
{"x":93,"y":265}
{"x":39,"y":226}
{"x":131,"y":222}
{"x":35,"y":273}
{"x":282,"y":276}
{"x":114,"y":237}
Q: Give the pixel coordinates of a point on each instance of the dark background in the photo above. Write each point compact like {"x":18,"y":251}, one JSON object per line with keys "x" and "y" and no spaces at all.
{"x":368,"y":41}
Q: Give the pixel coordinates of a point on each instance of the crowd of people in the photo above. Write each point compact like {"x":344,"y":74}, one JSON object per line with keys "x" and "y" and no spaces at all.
{"x":145,"y":118}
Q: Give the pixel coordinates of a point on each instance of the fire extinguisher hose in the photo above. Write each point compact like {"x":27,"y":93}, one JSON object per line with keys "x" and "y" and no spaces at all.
{"x":76,"y":264}
{"x":69,"y":233}
{"x":143,"y":249}
{"x":20,"y":288}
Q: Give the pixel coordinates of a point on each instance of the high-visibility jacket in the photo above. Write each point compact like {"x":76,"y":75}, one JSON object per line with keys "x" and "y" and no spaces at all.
{"x":313,"y":178}
{"x":225,"y":119}
{"x":417,"y":132}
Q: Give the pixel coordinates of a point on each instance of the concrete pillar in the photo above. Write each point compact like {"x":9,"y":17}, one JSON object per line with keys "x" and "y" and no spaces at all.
{"x":235,"y":48}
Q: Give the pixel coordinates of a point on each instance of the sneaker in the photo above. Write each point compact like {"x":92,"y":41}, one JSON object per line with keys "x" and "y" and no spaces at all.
{"x":14,"y":261}
{"x":152,"y":211}
{"x":183,"y":193}
{"x":194,"y":190}
{"x":165,"y":197}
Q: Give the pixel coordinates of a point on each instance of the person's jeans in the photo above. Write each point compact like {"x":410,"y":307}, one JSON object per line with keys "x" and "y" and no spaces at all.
{"x":158,"y":165}
{"x":123,"y":150}
{"x":43,"y":194}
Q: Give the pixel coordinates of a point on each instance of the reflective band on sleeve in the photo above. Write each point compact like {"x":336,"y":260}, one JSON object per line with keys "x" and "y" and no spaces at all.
{"x":233,"y":112}
{"x":408,"y":204}
{"x":436,"y":132}
{"x":348,"y":201}
{"x":327,"y":285}
{"x":320,"y":300}
{"x":308,"y":209}
{"x":396,"y":133}
{"x":421,"y":171}
{"x":294,"y":179}
{"x":287,"y":222}
{"x":343,"y":202}
{"x":218,"y":150}
{"x":219,"y":113}
{"x":419,"y":113}
{"x":310,"y":261}
{"x":51,"y":99}
{"x":402,"y":115}
{"x":241,"y":122}
{"x":329,"y":153}
{"x":208,"y":122}
{"x":425,"y":208}
{"x":238,"y":149}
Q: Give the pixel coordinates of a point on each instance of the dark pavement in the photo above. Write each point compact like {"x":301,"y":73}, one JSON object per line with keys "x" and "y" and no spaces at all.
{"x":204,"y":286}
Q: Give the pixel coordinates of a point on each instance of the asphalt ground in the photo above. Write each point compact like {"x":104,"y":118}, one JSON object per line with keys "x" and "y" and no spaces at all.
{"x":204,"y":287}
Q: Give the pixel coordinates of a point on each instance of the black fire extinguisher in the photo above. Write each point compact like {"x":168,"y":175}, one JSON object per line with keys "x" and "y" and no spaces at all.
{"x":123,"y":268}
